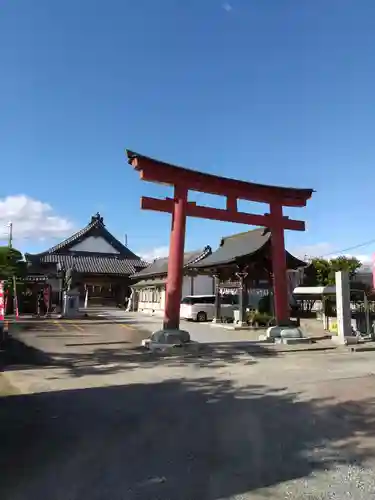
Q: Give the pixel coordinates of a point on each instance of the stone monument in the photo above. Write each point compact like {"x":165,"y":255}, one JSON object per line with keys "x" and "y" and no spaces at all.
{"x":70,"y":277}
{"x":70,"y":295}
{"x":344,"y":317}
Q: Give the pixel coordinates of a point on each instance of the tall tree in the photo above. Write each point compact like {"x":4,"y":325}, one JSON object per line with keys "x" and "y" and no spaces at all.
{"x":321,"y":272}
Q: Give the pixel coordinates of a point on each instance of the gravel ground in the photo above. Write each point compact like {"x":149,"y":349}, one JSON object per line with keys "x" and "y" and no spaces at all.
{"x":227,"y":425}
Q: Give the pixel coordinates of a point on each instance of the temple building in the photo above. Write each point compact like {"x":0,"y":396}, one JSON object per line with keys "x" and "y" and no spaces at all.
{"x":150,"y":283}
{"x":102,"y":264}
{"x":242,"y":265}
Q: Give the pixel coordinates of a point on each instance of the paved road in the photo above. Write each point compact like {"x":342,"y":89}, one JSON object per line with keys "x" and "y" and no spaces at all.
{"x":199,"y":332}
{"x":217,"y":427}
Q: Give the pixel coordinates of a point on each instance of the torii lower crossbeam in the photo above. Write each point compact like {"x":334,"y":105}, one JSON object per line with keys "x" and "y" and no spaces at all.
{"x":179,"y":207}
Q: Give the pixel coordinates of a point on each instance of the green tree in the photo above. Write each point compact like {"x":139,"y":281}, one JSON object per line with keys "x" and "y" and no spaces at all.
{"x":321,"y":272}
{"x":11,"y":264}
{"x":350,"y":264}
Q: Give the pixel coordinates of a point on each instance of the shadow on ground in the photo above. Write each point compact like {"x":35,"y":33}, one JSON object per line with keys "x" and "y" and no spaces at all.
{"x":172,"y":440}
{"x":15,"y":353}
{"x":109,"y":359}
{"x":49,"y":324}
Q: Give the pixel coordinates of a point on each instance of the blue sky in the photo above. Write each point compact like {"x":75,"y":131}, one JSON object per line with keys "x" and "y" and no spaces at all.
{"x":271,"y":91}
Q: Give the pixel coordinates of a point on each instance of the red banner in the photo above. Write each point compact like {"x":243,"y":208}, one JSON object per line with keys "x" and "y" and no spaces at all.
{"x":2,"y":301}
{"x":47,"y":296}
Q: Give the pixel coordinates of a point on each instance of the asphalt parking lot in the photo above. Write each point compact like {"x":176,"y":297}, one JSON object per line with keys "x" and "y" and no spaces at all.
{"x":91,"y":418}
{"x":52,"y":342}
{"x":57,"y":335}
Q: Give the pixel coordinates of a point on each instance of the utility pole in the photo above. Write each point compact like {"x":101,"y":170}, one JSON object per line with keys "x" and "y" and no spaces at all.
{"x":10,"y":235}
{"x":10,"y":245}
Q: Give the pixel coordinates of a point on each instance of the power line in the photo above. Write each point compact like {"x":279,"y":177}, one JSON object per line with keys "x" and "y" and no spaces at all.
{"x":360,"y":245}
{"x":343,"y":250}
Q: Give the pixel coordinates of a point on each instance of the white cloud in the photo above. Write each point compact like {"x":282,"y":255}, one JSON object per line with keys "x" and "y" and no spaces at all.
{"x":327,"y":250}
{"x":32,"y":219}
{"x":227,"y":6}
{"x":154,"y":253}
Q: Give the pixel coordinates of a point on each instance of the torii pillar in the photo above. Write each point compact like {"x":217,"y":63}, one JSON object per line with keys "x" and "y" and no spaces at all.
{"x":179,"y":207}
{"x":175,"y":260}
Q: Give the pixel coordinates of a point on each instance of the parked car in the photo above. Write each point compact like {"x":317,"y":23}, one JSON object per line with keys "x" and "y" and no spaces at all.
{"x":202,"y":307}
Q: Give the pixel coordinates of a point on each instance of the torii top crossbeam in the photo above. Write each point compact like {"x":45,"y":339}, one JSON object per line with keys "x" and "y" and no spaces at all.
{"x":165,"y":173}
{"x":183,"y":180}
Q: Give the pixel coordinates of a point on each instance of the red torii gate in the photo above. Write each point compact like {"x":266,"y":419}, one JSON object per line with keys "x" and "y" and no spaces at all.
{"x":183,"y":180}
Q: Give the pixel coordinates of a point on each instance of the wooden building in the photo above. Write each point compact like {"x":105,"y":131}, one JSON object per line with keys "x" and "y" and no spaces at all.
{"x":102,"y":263}
{"x":149,"y":284}
{"x":242,"y":265}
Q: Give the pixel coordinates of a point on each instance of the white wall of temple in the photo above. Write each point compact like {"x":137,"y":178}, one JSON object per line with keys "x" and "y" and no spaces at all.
{"x":152,"y":299}
{"x":95,"y":245}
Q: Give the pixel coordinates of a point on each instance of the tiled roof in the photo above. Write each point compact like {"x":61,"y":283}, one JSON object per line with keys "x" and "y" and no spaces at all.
{"x":96,"y":226}
{"x":235,"y":247}
{"x":125,"y":262}
{"x":160,"y":266}
{"x":95,"y":264}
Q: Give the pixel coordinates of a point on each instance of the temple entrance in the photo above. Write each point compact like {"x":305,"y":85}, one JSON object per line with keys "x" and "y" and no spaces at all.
{"x":233,"y":190}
